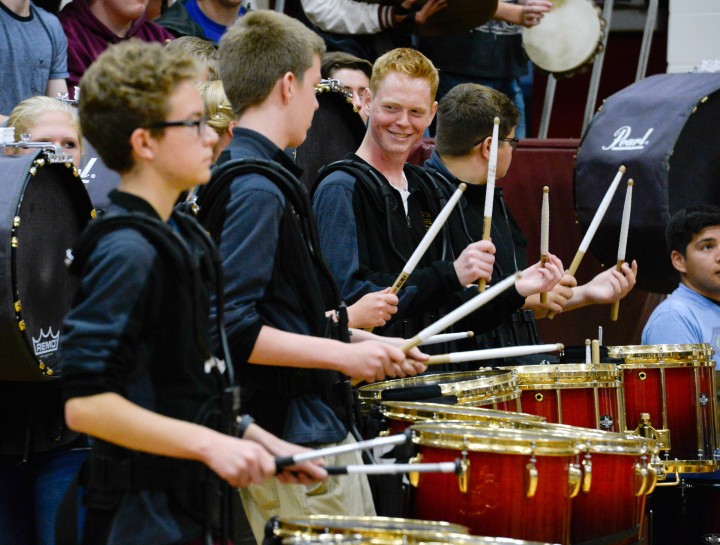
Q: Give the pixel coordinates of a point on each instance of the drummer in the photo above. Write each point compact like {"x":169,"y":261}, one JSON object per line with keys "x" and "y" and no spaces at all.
{"x":691,"y":314}
{"x":462,"y":154}
{"x":374,"y":209}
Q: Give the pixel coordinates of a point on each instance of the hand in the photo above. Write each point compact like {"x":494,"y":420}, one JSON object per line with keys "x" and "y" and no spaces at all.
{"x":373,"y":309}
{"x":533,"y":12}
{"x":557,"y":298}
{"x":238,"y":461}
{"x":414,"y":363}
{"x":375,"y":360}
{"x":475,"y":262}
{"x":611,"y":285}
{"x":540,"y":278}
{"x":430,"y":8}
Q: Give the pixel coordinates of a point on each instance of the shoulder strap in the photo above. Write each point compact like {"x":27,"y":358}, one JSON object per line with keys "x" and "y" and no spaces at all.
{"x":382,"y":195}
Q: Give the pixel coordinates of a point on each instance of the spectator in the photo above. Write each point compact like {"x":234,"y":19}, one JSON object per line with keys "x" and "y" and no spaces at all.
{"x":36,"y":64}
{"x":92,"y":25}
{"x":206,"y":19}
{"x":202,"y":50}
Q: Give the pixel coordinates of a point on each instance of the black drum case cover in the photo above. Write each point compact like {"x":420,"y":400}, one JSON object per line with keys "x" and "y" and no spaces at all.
{"x":666,"y":130}
{"x":43,"y":209}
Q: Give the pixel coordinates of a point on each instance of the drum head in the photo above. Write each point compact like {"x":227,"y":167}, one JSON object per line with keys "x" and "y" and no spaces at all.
{"x":567,"y":37}
{"x":43,"y":210}
{"x":336,"y":130}
{"x":459,"y":16}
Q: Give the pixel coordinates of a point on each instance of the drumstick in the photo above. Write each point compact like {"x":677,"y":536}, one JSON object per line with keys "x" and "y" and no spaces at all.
{"x":622,"y":245}
{"x":594,"y":224}
{"x":284,"y":461}
{"x":588,"y":358}
{"x":595,"y":347}
{"x":460,"y":312}
{"x":490,"y":187}
{"x":426,"y":240}
{"x":392,"y":469}
{"x":448,"y":337}
{"x":494,"y":353}
{"x":544,"y":234}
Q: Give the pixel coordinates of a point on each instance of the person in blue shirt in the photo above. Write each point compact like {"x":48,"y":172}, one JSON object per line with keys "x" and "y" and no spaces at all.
{"x":691,"y":314}
{"x":206,"y":19}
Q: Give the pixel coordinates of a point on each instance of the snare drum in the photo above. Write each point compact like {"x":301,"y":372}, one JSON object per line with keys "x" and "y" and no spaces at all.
{"x":567,"y":39}
{"x":43,"y":208}
{"x":515,"y":483}
{"x":674,"y":384}
{"x":483,"y":388}
{"x":401,"y":414}
{"x":340,"y":529}
{"x":586,"y":395}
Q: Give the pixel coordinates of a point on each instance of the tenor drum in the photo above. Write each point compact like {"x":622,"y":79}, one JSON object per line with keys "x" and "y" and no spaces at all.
{"x":483,"y":388}
{"x":674,"y":385}
{"x":515,"y":483}
{"x":567,"y":39}
{"x":340,"y":529}
{"x":337,"y":129}
{"x":586,"y":395}
{"x":44,"y":207}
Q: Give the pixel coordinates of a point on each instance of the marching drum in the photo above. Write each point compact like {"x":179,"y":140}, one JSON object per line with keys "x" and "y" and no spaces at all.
{"x":44,"y":207}
{"x":670,"y":394}
{"x":481,"y":388}
{"x":586,"y":395}
{"x":515,"y":483}
{"x":336,"y":130}
{"x":567,"y":39}
{"x":340,"y":529}
{"x":401,"y":414}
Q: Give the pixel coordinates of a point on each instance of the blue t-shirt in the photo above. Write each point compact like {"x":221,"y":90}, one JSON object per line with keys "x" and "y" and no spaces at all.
{"x":213,"y":31}
{"x":685,"y":317}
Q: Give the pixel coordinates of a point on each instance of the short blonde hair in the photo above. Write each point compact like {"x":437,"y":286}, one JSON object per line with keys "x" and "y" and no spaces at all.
{"x":405,"y":60}
{"x":24,"y":115}
{"x":204,"y":51}
{"x":217,"y":105}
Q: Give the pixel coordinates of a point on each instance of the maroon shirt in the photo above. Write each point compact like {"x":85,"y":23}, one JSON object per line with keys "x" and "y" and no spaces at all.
{"x":88,"y":37}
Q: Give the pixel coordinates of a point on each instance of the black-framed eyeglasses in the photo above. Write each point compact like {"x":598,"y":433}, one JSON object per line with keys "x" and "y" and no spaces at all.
{"x":199,"y":124}
{"x":512,"y":141}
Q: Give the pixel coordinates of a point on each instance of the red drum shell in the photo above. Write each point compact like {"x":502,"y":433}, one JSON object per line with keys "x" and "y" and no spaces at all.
{"x":675,"y":385}
{"x":495,"y":502}
{"x":585,"y":395}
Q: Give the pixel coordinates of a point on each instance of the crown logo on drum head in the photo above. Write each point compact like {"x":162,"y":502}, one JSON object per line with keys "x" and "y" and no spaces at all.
{"x":46,"y":343}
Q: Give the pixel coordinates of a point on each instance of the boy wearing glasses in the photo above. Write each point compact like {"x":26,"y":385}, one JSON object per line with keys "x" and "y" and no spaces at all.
{"x":462,"y":154}
{"x":374,"y":208}
{"x":138,"y":368}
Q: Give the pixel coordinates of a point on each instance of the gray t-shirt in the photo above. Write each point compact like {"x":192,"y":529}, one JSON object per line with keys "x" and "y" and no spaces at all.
{"x":33,"y":51}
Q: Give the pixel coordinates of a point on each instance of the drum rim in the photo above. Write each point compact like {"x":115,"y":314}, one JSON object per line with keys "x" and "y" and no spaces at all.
{"x":499,"y":380}
{"x":666,"y":355}
{"x":564,"y":375}
{"x":367,"y":526}
{"x":403,"y":410}
{"x":597,"y":441}
{"x":465,"y":436}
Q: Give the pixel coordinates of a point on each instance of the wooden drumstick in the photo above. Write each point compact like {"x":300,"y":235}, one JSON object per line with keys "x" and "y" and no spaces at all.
{"x":427,"y":240}
{"x":594,"y":224}
{"x":490,"y":187}
{"x":595,"y":348}
{"x":622,"y":245}
{"x":544,"y":234}
{"x":494,"y":353}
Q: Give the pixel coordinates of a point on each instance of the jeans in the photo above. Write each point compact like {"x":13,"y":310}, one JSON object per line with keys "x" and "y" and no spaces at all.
{"x":30,"y":493}
{"x":509,"y":86}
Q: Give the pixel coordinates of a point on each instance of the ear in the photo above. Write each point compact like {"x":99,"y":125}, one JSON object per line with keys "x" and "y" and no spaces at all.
{"x":366,"y":99}
{"x":142,"y":144}
{"x":485,"y":148}
{"x":230,"y":127}
{"x":287,"y":87}
{"x":678,"y":261}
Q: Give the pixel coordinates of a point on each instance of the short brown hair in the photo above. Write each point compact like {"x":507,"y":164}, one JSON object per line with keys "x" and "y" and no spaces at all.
{"x":203,"y":50}
{"x":405,"y":61}
{"x":126,"y":88}
{"x":260,"y":48}
{"x":338,"y":60}
{"x":466,"y":115}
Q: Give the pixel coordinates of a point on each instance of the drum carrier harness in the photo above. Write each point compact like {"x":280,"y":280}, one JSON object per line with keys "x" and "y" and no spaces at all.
{"x":333,"y":387}
{"x":195,"y":486}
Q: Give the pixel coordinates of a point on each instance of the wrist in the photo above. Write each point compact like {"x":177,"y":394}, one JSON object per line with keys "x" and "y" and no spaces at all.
{"x":244,"y":422}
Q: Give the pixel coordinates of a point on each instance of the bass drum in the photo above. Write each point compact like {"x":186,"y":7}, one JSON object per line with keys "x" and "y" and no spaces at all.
{"x":43,"y":209}
{"x":336,"y":130}
{"x":568,"y":38}
{"x":660,"y":128}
